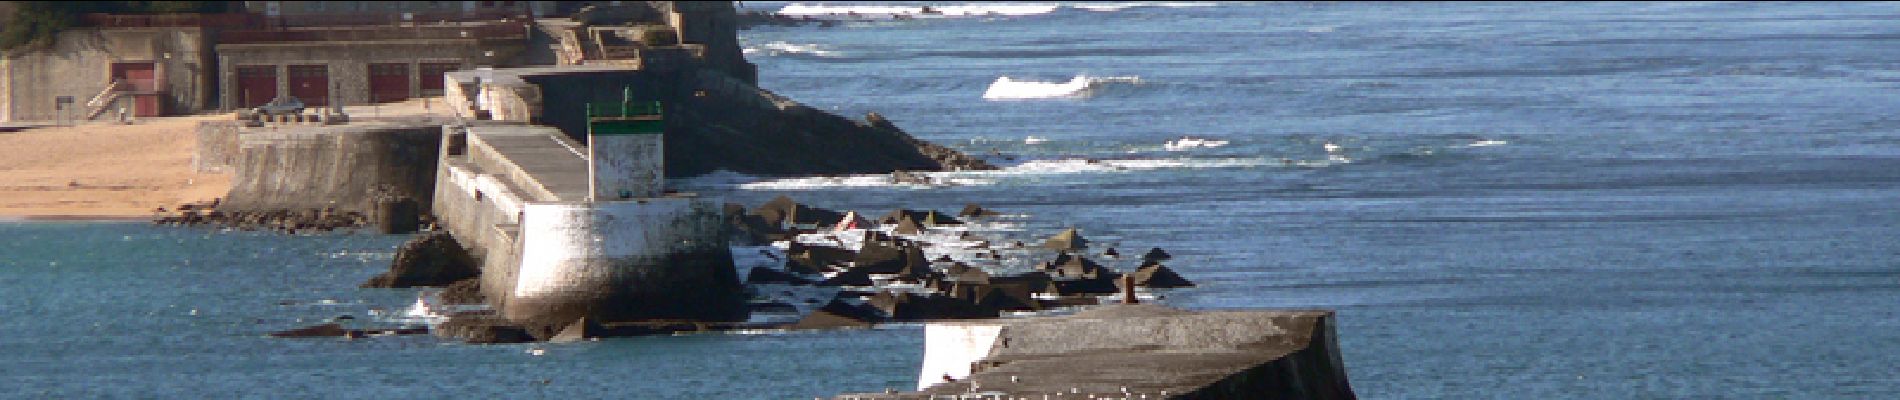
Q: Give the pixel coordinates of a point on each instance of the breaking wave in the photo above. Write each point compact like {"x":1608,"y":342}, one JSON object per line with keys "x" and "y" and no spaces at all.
{"x":1005,"y":88}
{"x":855,"y":11}
{"x":778,"y":48}
{"x":888,"y":12}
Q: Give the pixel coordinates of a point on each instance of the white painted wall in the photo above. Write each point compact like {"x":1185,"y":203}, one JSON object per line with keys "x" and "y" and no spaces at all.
{"x":626,"y":166}
{"x":554,"y":235}
{"x":950,"y":349}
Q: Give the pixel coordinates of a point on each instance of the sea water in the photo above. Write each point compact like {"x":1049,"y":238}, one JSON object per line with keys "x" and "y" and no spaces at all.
{"x":1569,"y":200}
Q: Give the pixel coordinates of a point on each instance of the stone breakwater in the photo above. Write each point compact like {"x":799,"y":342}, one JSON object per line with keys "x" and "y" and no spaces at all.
{"x":814,"y":268}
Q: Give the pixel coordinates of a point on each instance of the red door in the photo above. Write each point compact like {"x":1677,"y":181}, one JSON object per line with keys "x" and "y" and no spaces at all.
{"x":432,"y":77}
{"x":257,"y":84}
{"x":139,"y":77}
{"x":388,"y":82}
{"x":146,"y":105}
{"x":311,"y":84}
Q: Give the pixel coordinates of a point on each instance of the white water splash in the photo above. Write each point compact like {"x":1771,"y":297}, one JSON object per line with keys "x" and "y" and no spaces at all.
{"x":1006,"y":88}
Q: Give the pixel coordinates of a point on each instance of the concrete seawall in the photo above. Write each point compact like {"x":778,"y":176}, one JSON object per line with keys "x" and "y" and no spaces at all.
{"x":518,"y":197}
{"x":341,"y":166}
{"x":1134,"y":351}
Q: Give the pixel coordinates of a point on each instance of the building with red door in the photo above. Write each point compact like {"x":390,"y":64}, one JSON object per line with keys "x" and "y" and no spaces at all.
{"x":342,"y":53}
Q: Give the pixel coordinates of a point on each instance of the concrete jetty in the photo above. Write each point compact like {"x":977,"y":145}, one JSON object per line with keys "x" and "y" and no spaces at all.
{"x":563,"y":232}
{"x":1134,"y":351}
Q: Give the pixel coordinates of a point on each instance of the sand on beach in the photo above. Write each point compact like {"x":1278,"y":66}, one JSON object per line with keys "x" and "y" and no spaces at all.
{"x":112,"y":171}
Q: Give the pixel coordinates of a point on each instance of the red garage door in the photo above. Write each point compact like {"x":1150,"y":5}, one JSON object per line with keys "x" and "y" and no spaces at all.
{"x":139,"y":77}
{"x":310,"y":83}
{"x":146,"y":105}
{"x":257,"y":84}
{"x":388,"y":82}
{"x":432,"y":77}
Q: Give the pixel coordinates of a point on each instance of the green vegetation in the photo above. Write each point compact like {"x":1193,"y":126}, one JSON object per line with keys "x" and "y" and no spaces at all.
{"x":36,"y":22}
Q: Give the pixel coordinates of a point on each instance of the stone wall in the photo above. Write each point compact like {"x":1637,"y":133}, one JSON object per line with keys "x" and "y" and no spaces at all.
{"x":79,"y":64}
{"x":217,"y":146}
{"x":315,"y":167}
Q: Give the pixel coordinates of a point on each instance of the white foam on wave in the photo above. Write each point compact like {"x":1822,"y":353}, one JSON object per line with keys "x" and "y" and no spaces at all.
{"x":889,"y":12}
{"x":928,"y":180}
{"x":1108,"y":7}
{"x":1487,"y":143}
{"x":777,"y":48}
{"x":1006,"y":88}
{"x":1188,"y":143}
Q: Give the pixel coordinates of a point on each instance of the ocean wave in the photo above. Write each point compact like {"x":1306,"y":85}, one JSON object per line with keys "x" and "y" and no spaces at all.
{"x":858,"y":11}
{"x":1005,"y":88}
{"x":890,"y":12}
{"x":778,"y":48}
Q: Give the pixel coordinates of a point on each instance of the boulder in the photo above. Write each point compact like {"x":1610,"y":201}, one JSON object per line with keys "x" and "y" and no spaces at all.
{"x":837,"y":314}
{"x":1156,"y":255}
{"x":973,"y":210}
{"x":430,"y":260}
{"x":324,"y":330}
{"x":1069,"y":240}
{"x":482,"y":329}
{"x":466,"y":291}
{"x":785,"y":213}
{"x":761,"y":275}
{"x":1155,"y":275}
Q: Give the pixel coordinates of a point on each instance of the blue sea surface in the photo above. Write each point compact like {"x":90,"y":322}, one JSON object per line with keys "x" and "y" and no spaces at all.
{"x":1500,"y":200}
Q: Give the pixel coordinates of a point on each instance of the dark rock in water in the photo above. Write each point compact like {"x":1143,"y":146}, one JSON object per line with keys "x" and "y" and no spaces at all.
{"x":482,"y":329}
{"x":785,"y":213}
{"x":802,"y":264}
{"x":1158,"y":276}
{"x":768,"y":275}
{"x":773,"y":307}
{"x":1008,"y":297}
{"x":923,"y":218}
{"x":1068,"y":240}
{"x":1070,"y":266}
{"x":466,"y":291}
{"x":1111,"y":253}
{"x":849,"y":277}
{"x":324,"y":330}
{"x":907,"y":227}
{"x":973,"y":210}
{"x":838,"y":314}
{"x":1156,"y":254}
{"x":878,"y":258}
{"x":823,"y":255}
{"x":749,"y":229}
{"x":915,"y":307}
{"x":431,"y":260}
{"x":961,"y":273}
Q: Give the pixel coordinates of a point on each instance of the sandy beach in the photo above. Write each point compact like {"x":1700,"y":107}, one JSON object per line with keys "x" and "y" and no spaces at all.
{"x":103,"y":170}
{"x":106,"y":171}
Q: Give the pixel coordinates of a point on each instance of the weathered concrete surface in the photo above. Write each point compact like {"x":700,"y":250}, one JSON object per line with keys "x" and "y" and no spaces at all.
{"x":79,"y":64}
{"x":217,"y":146}
{"x":339,"y":166}
{"x":1129,"y":351}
